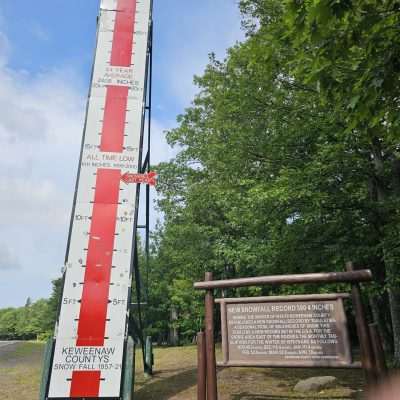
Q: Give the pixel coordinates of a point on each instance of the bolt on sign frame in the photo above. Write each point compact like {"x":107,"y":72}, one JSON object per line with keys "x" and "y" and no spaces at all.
{"x":92,"y":328}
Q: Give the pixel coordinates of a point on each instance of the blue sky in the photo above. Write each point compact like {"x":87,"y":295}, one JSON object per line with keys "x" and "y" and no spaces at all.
{"x":46,"y":52}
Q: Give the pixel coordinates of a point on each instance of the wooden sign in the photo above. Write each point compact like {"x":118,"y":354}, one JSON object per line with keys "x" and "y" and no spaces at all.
{"x":286,"y":331}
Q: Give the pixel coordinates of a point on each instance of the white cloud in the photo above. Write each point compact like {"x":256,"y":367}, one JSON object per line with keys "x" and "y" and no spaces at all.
{"x":41,"y":119}
{"x":33,"y":204}
{"x":40,"y":130}
{"x":8,"y":260}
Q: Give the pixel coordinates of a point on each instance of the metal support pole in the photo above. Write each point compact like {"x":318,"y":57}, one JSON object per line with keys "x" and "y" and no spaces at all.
{"x":212,"y":393}
{"x":48,"y":350}
{"x":201,"y":367}
{"x":139,"y":305}
{"x":149,"y":114}
{"x":149,"y":356}
{"x":129,"y":370}
{"x":367,"y":354}
{"x":379,"y":353}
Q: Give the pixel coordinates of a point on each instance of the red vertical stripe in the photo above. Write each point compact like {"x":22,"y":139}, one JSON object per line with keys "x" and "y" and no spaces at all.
{"x":128,"y":6}
{"x":95,"y":297}
{"x":121,"y":54}
{"x":94,"y":302}
{"x":96,"y":285}
{"x":112,"y":136}
{"x":107,"y":186}
{"x":85,"y":384}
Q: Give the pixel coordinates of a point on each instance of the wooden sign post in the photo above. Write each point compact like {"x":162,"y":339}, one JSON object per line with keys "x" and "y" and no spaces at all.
{"x":308,"y":331}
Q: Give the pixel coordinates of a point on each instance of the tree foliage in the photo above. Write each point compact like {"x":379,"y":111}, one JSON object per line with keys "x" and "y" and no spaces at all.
{"x":289,"y":162}
{"x":289,"y":154}
{"x":33,"y":321}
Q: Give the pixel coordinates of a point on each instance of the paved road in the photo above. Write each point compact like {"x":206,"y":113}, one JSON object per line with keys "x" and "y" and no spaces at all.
{"x":4,"y":344}
{"x":5,"y":349}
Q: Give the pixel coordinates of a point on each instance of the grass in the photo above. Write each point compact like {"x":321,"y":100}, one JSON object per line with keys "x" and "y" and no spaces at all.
{"x":20,"y":370}
{"x":175,"y":378}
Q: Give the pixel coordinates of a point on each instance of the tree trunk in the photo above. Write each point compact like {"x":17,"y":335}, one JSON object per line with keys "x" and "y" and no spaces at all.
{"x":379,"y":301}
{"x":387,"y":186}
{"x":394,"y":274}
{"x":174,"y":334}
{"x":378,"y":306}
{"x":394,"y":297}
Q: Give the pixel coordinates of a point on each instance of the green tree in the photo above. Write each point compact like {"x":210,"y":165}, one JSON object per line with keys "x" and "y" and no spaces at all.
{"x":34,"y":320}
{"x":274,"y":174}
{"x":8,"y":319}
{"x":348,"y":52}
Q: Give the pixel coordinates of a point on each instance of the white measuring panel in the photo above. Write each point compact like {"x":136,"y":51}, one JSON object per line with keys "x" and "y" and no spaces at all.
{"x":92,"y":324}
